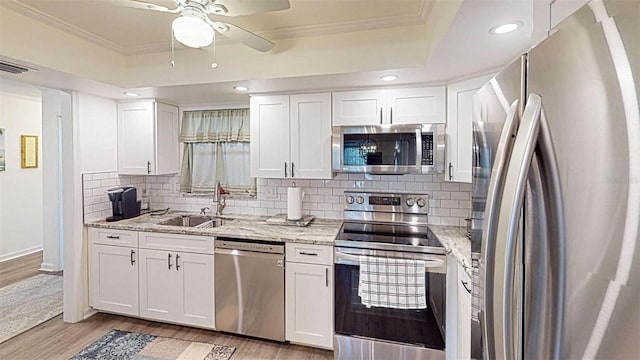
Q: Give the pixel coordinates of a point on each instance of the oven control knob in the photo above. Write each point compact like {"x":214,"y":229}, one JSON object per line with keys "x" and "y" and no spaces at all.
{"x":349,"y":199}
{"x":360,"y":200}
{"x":410,"y":202}
{"x":421,"y":202}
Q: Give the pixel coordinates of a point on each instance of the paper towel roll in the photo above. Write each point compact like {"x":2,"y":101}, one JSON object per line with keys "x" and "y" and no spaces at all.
{"x":294,"y":203}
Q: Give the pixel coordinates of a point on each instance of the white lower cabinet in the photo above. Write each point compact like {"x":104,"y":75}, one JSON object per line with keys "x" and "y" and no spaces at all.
{"x":157,"y":285}
{"x":156,"y":279}
{"x":177,"y":287}
{"x":114,"y":279}
{"x":458,"y":332}
{"x":309,"y":302}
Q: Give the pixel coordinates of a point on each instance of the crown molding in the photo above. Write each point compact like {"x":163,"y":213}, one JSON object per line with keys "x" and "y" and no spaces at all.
{"x":282,"y":33}
{"x":45,"y":18}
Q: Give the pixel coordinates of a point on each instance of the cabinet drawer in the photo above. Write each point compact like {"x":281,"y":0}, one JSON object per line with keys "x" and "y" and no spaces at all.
{"x":113,"y":237}
{"x":176,"y":242}
{"x":308,"y":253}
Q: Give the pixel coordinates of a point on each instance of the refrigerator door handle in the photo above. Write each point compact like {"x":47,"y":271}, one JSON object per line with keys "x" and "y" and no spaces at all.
{"x":533,"y":135}
{"x":488,"y":262}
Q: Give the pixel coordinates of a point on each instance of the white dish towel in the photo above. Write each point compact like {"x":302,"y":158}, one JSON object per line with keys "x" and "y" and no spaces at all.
{"x":392,"y":283}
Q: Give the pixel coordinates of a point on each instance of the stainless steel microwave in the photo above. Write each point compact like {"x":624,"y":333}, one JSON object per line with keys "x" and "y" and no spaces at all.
{"x":388,"y":149}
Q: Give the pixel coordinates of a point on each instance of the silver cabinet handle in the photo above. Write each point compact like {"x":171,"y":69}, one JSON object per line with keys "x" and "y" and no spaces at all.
{"x":466,"y":287}
{"x":169,"y":260}
{"x":380,"y":115}
{"x":177,"y":263}
{"x":113,"y":237}
{"x":148,"y":167}
{"x":133,"y":259}
{"x":391,"y":118}
{"x":450,"y":171}
{"x":308,"y":253}
{"x":326,"y":277}
{"x":285,"y":169}
{"x":494,"y":196}
{"x":533,"y":135}
{"x":292,"y":165}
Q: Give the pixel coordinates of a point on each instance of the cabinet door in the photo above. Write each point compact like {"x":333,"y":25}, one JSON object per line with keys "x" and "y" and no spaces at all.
{"x":464,"y":314}
{"x":451,"y":331}
{"x":309,"y":304}
{"x":158,"y":285}
{"x":166,"y":140}
{"x":114,"y":279}
{"x":195,"y":288}
{"x":352,"y":108}
{"x":136,"y":136}
{"x":310,"y":131}
{"x":270,"y":136}
{"x":461,"y":105}
{"x":416,"y":106}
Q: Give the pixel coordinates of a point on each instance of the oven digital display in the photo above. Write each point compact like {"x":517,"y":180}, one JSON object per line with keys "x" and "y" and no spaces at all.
{"x":384,"y":200}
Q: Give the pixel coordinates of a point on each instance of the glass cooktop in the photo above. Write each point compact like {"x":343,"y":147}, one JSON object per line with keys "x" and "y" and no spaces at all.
{"x":391,"y":234}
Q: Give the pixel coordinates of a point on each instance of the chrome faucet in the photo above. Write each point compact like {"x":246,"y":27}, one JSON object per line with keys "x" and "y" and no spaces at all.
{"x":220,"y":200}
{"x":203,"y":211}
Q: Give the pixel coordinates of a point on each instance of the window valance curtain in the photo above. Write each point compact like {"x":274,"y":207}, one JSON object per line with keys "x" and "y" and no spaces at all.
{"x":215,"y":126}
{"x":216,"y":149}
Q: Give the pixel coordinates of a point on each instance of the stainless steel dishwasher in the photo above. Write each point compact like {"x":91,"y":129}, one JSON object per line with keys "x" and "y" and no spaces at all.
{"x":249,"y":288}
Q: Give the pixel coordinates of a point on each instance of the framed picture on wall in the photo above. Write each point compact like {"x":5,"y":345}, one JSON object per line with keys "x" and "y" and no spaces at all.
{"x":29,"y":150}
{"x":2,"y":159}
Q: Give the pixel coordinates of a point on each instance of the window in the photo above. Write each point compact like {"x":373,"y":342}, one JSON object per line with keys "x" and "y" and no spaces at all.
{"x":216,"y":149}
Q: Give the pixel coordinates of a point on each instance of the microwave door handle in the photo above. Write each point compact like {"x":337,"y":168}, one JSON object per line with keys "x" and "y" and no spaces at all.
{"x":489,"y":240}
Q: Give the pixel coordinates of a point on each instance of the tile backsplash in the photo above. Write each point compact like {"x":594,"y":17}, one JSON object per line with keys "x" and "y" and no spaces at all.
{"x":96,"y":204}
{"x":449,"y":203}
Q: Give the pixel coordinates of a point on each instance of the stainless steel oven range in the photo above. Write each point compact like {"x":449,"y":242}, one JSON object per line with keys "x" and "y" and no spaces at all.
{"x":389,"y":226}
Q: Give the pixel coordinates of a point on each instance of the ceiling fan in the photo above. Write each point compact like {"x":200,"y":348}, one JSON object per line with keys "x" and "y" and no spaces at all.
{"x":194,"y":28}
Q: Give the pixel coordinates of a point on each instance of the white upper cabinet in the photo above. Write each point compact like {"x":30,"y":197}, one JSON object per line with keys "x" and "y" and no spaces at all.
{"x":269,"y":136}
{"x":310,"y":130}
{"x":416,"y":106}
{"x":291,"y":136}
{"x":147,"y":138}
{"x":352,"y":108}
{"x":390,"y":106}
{"x":460,"y":108}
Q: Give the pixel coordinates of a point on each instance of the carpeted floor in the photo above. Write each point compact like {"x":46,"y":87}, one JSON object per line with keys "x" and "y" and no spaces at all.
{"x":124,"y":345}
{"x":28,"y":303}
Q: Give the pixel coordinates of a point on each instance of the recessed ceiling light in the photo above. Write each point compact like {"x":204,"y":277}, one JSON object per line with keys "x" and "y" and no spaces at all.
{"x":389,"y":77}
{"x":241,"y":88}
{"x":128,"y":93}
{"x":505,"y":28}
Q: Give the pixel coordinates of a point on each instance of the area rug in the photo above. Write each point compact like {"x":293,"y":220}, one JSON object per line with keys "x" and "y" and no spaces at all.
{"x":28,"y":303}
{"x":124,"y":345}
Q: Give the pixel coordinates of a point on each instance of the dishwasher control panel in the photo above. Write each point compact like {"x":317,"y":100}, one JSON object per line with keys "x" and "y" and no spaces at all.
{"x":250,"y":245}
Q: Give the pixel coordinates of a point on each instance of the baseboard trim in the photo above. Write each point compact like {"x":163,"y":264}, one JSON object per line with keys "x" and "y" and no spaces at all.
{"x":46,"y":267}
{"x":20,"y":253}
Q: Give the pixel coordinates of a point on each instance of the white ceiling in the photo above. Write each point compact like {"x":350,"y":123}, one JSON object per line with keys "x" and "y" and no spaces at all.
{"x":466,"y":49}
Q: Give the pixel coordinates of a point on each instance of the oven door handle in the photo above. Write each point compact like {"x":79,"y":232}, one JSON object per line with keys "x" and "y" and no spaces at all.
{"x":348,"y":259}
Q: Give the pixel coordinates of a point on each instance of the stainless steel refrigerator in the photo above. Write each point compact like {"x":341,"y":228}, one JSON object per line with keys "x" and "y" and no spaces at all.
{"x":556,"y":195}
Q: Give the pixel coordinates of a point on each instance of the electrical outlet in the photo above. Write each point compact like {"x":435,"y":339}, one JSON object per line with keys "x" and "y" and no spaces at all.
{"x":272,"y":192}
{"x":176,"y":187}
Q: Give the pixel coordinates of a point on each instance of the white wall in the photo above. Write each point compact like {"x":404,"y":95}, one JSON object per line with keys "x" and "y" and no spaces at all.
{"x":20,"y":189}
{"x":98,"y":133}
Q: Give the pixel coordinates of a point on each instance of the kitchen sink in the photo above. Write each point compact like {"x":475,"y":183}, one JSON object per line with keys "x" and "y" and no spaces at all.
{"x":197,"y":221}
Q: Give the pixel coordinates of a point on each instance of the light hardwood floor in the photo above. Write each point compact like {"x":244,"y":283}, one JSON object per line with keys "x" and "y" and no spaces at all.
{"x":55,"y":339}
{"x":19,"y":269}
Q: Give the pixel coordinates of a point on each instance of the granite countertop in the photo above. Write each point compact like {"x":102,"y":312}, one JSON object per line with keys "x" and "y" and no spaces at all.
{"x":319,"y":231}
{"x":455,"y":240}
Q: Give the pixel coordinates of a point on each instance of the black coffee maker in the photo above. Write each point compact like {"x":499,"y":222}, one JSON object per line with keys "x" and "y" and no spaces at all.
{"x":124,"y":202}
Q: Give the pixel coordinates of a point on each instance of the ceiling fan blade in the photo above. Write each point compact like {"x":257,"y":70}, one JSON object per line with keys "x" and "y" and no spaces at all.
{"x":144,"y":5}
{"x":248,"y":7}
{"x":241,"y":35}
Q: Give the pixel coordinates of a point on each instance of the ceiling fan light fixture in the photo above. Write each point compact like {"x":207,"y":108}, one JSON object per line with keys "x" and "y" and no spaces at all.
{"x":192,"y":31}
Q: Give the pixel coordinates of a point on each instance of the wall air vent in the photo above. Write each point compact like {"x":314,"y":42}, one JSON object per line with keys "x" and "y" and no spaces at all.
{"x":12,"y":68}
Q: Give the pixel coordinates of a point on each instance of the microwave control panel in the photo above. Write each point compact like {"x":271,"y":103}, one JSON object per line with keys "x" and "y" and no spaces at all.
{"x":427,"y":149}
